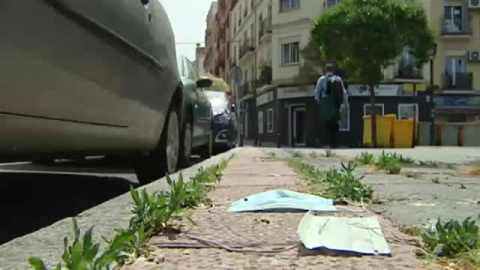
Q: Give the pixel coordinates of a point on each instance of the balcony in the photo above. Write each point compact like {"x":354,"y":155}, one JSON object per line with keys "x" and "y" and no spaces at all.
{"x":410,"y":72}
{"x":459,"y":81}
{"x":265,"y":29}
{"x":246,"y":48}
{"x":265,"y":76}
{"x":455,"y":28}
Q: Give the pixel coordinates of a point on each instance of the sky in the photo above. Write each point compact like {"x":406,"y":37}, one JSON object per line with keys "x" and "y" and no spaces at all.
{"x":188,"y":19}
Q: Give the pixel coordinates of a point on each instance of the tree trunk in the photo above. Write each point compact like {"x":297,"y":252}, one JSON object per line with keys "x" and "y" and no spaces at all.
{"x":374,"y":116}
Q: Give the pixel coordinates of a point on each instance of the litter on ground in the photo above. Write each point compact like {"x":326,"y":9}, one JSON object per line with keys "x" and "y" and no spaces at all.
{"x":282,"y":200}
{"x":359,"y":235}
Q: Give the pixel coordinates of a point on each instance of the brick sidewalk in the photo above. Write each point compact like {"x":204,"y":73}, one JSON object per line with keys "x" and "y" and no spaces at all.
{"x":248,"y":174}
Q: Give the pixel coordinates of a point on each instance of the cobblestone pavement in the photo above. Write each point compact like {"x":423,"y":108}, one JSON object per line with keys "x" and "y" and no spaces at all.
{"x":247,"y":174}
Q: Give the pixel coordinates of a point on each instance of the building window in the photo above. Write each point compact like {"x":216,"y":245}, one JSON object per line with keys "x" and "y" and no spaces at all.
{"x":289,"y":5}
{"x":332,"y":3}
{"x":379,"y":109}
{"x":291,"y":53}
{"x":453,"y":19}
{"x":344,"y":122}
{"x":407,"y":111}
{"x":270,"y":121}
{"x":260,"y":122}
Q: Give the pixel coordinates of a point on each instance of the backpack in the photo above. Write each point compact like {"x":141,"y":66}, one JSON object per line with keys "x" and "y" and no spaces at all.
{"x":335,"y":90}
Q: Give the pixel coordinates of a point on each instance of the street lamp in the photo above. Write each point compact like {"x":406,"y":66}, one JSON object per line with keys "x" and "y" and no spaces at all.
{"x":432,"y":54}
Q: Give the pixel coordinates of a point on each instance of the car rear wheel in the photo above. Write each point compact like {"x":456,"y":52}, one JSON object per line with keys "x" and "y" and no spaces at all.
{"x":187,"y":139}
{"x":207,"y":149}
{"x":164,"y":159}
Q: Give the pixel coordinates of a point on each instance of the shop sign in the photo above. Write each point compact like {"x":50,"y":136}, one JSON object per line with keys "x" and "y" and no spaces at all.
{"x":382,"y":90}
{"x":295,"y":92}
{"x":265,"y":98}
{"x":472,"y":101}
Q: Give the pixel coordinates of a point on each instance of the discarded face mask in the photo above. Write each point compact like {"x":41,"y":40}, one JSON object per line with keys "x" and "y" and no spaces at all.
{"x":278,"y":200}
{"x":358,"y":235}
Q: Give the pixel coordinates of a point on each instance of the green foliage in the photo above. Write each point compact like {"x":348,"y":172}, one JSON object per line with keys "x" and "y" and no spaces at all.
{"x":152,"y":213}
{"x":298,"y":154}
{"x":330,"y":154}
{"x":429,"y":163}
{"x":218,"y":84}
{"x":366,"y":36}
{"x":313,"y":155}
{"x":84,"y":253}
{"x":345,"y":185}
{"x":308,"y":171}
{"x":334,"y":183}
{"x":365,"y":158}
{"x":452,"y":238}
{"x":436,"y":180}
{"x":393,"y":167}
{"x":271,"y":154}
{"x":390,"y":162}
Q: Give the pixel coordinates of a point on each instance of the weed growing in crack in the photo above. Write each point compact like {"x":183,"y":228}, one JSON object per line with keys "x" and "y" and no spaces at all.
{"x":152,"y":213}
{"x":84,"y":253}
{"x":365,"y":158}
{"x":345,"y":185}
{"x":330,"y":154}
{"x":452,"y":239}
{"x":298,"y":154}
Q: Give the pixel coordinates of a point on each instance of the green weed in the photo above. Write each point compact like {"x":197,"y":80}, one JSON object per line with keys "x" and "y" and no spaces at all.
{"x":271,"y":154}
{"x":365,"y":158}
{"x":345,"y":185}
{"x":330,"y":154}
{"x":84,"y":253}
{"x":313,"y":155}
{"x":152,"y":213}
{"x":298,"y":154}
{"x":452,"y":238}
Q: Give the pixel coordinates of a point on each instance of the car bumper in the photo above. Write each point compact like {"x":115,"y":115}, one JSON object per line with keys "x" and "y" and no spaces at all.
{"x":224,"y":135}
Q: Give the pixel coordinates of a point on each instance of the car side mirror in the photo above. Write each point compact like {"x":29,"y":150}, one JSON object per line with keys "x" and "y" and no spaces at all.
{"x":204,"y":83}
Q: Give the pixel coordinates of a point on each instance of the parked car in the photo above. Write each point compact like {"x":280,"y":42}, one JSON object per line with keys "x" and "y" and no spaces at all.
{"x":82,"y":78}
{"x":197,"y":135}
{"x":224,"y":121}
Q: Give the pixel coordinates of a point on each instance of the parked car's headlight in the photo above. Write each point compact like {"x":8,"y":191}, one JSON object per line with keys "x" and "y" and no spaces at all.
{"x":223,"y":118}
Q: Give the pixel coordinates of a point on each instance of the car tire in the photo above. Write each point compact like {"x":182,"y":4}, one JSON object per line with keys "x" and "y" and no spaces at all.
{"x":187,"y":142}
{"x":207,"y":149}
{"x":165,"y":158}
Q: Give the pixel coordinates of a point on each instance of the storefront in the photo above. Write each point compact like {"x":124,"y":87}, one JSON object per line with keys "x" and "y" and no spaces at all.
{"x":288,"y":116}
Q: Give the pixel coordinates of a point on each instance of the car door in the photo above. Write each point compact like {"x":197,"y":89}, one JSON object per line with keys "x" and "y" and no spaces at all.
{"x":72,"y":68}
{"x":202,"y":114}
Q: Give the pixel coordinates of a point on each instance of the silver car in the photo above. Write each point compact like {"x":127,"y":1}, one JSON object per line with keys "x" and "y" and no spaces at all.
{"x":80,"y":78}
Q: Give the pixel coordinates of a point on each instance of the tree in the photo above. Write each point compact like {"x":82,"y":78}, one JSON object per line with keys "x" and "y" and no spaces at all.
{"x":218,"y":84}
{"x":366,"y":36}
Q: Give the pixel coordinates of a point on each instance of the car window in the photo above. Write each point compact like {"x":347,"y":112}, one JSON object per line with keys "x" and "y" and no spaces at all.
{"x":218,"y":100}
{"x":186,"y":68}
{"x":192,"y":71}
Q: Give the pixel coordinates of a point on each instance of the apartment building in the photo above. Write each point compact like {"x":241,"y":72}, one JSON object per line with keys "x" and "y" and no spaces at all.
{"x":211,"y":37}
{"x":250,"y":44}
{"x":268,"y":35}
{"x":456,"y":65}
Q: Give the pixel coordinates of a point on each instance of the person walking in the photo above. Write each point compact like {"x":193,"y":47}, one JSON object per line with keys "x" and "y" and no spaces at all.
{"x":330,"y":94}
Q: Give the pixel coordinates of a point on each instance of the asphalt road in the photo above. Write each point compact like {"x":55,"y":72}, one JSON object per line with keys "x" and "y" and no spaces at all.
{"x":35,"y":196}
